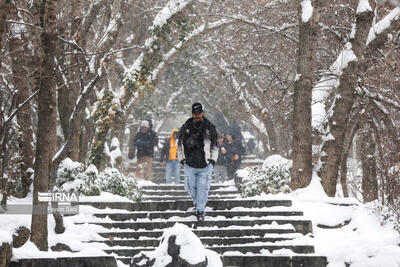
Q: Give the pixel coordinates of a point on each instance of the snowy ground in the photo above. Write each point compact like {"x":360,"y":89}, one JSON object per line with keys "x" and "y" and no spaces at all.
{"x":361,"y":242}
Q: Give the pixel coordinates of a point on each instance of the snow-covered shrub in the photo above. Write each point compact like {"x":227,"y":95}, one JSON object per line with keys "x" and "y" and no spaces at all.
{"x":134,"y":191}
{"x":73,"y":177}
{"x":91,"y":187}
{"x":111,"y":180}
{"x":271,"y":180}
{"x":17,"y":174}
{"x":278,"y":160}
{"x":388,"y":213}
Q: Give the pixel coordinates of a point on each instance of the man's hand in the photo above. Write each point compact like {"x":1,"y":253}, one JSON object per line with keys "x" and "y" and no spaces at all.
{"x":223,"y":150}
{"x":182,"y":162}
{"x":162,"y":163}
{"x":212,"y":161}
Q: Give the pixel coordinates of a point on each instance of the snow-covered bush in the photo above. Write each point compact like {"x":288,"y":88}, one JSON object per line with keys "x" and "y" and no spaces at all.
{"x":271,"y":178}
{"x":92,"y":187}
{"x":112,"y":181}
{"x":73,"y":177}
{"x":388,"y":213}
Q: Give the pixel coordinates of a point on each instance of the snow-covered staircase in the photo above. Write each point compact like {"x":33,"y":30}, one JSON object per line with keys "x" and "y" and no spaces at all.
{"x":245,"y":232}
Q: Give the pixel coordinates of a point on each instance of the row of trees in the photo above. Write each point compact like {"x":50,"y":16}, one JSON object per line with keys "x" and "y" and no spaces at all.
{"x":313,"y":90}
{"x":72,"y":75}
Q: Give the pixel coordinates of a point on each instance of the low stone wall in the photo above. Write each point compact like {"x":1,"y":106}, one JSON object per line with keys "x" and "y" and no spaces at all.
{"x":104,"y":261}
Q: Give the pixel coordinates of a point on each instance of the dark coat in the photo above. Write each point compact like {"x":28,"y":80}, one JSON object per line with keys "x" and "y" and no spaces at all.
{"x":165,"y":150}
{"x":145,"y":143}
{"x":234,"y":148}
{"x":222,"y":158}
{"x":192,"y":138}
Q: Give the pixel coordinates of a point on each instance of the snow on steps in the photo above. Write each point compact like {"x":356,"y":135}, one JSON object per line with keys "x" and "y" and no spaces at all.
{"x":245,"y":232}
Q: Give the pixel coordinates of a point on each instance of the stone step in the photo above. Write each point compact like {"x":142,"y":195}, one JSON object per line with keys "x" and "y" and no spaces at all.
{"x":183,"y":214}
{"x":184,"y":205}
{"x":187,"y":197}
{"x":208,"y":241}
{"x":157,"y":168}
{"x":256,"y":249}
{"x":244,"y":248}
{"x":217,"y":233}
{"x":181,"y":188}
{"x":301,"y":226}
{"x":82,"y":261}
{"x":184,"y":193}
{"x":273,"y":261}
{"x":264,"y":261}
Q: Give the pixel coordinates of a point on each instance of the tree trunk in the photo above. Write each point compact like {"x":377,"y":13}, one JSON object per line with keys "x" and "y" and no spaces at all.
{"x":264,"y":142}
{"x":5,"y":6}
{"x":69,"y":94}
{"x":75,"y":86}
{"x":273,"y":137}
{"x":104,"y":121}
{"x":118,"y":131}
{"x":389,"y":187}
{"x":24,"y":114}
{"x":86,"y":138}
{"x":338,"y":122}
{"x":301,"y":172}
{"x":351,"y":132}
{"x":46,"y":133}
{"x":369,"y":179}
{"x":4,"y":161}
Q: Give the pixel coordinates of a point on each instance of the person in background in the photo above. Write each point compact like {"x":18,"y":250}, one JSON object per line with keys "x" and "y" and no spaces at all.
{"x":235,"y":151}
{"x":169,"y":157}
{"x":251,"y":145}
{"x":197,"y":152}
{"x":220,"y":169}
{"x":144,"y":142}
{"x":236,"y":131}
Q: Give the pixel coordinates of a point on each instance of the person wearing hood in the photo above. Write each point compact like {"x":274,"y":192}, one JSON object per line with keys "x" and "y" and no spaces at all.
{"x":144,"y":142}
{"x":234,"y":151}
{"x":169,"y":158}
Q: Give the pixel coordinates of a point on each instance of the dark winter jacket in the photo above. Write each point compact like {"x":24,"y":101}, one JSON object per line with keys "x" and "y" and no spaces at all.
{"x":197,"y":143}
{"x":145,"y":143}
{"x":222,"y":158}
{"x":234,"y":148}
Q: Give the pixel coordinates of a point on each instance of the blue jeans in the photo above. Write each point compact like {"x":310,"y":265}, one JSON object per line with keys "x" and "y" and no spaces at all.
{"x":197,"y":183}
{"x":172,"y":168}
